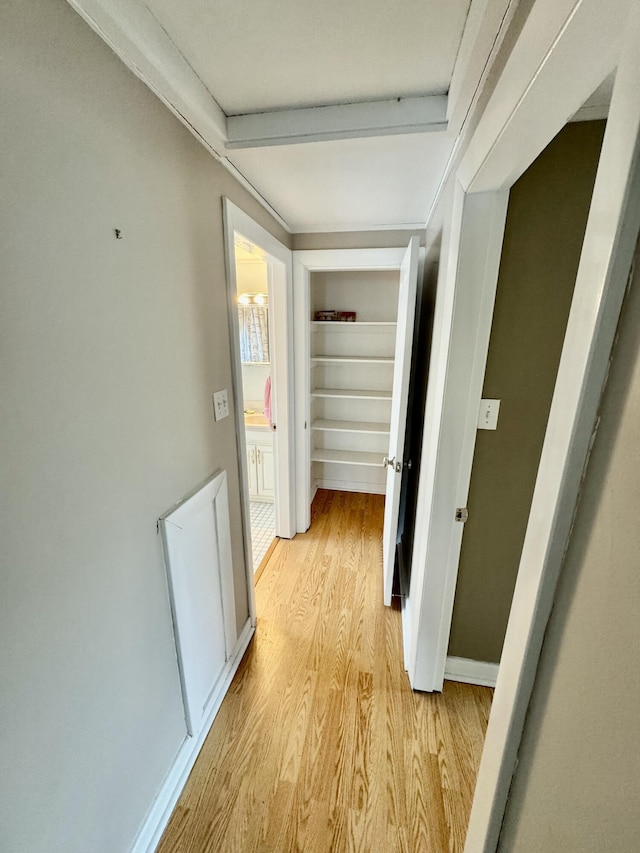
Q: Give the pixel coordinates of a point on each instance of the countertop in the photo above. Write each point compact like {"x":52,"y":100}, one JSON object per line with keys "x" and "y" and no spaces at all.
{"x":255,"y":419}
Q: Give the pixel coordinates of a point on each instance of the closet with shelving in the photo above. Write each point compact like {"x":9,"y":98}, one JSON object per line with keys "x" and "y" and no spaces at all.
{"x":351,"y":378}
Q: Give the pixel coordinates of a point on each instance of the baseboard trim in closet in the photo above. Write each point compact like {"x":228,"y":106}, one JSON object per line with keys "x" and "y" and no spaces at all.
{"x":352,"y":486}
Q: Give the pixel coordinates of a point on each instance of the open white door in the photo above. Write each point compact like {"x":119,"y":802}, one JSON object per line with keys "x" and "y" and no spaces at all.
{"x":400,"y":395}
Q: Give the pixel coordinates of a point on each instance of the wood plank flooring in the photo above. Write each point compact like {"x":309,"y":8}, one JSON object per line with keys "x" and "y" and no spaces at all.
{"x":320,"y":744}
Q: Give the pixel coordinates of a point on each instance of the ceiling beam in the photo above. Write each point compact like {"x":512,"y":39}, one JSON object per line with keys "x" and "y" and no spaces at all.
{"x":338,"y":121}
{"x":134,"y":34}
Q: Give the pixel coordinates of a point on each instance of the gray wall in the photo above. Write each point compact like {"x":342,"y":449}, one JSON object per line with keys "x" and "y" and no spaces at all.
{"x":546,"y":218}
{"x":110,"y":350}
{"x":355,"y":239}
{"x":577,"y":785}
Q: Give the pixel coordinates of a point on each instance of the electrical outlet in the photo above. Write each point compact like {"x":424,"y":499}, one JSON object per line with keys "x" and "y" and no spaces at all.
{"x":220,"y":404}
{"x":488,"y":415}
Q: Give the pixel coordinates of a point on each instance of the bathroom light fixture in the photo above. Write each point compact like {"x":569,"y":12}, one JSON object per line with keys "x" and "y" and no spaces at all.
{"x":253,"y":299}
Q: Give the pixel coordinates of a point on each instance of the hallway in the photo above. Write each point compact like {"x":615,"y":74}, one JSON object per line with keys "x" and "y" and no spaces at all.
{"x":320,"y":745}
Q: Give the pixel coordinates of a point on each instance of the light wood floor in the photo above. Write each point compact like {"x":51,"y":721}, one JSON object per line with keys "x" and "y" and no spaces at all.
{"x":320,"y":745}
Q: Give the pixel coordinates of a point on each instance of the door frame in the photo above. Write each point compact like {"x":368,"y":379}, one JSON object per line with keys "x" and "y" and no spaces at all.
{"x":306,"y":261}
{"x":565,"y":50}
{"x":280,"y":286}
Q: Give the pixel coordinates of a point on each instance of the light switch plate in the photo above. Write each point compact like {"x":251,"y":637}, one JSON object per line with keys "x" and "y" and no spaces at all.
{"x":220,"y":404}
{"x":488,"y":415}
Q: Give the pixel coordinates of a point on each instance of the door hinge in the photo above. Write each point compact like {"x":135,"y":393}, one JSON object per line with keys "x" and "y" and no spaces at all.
{"x":462,"y":514}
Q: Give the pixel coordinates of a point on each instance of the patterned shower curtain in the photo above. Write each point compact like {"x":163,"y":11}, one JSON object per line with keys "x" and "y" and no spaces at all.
{"x":254,"y":333}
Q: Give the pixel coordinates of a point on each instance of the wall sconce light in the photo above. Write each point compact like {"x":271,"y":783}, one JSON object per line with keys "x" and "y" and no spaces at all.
{"x":253,"y":299}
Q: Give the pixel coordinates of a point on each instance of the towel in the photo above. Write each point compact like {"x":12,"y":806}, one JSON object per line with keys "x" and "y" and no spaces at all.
{"x":267,"y":399}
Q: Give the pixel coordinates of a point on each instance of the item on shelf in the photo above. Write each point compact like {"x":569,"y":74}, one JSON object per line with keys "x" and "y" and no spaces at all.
{"x":347,"y":316}
{"x":323,"y":316}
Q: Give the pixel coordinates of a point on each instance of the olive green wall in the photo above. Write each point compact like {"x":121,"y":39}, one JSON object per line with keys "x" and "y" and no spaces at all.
{"x":548,"y":208}
{"x":577,"y":785}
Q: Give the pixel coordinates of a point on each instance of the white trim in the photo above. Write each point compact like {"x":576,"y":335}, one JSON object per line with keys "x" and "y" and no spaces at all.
{"x":135,"y":35}
{"x":338,"y":121}
{"x":462,"y":326}
{"x":610,"y":237}
{"x":305,"y":262}
{"x":350,"y":259}
{"x":539,"y":91}
{"x":349,"y":486}
{"x":158,"y":816}
{"x":470,"y":671}
{"x":137,"y":38}
{"x":460,"y":119}
{"x":281,"y":299}
{"x":253,"y":191}
{"x":363,"y":227}
{"x":305,"y":490}
{"x":486,"y":19}
{"x":213,"y":495}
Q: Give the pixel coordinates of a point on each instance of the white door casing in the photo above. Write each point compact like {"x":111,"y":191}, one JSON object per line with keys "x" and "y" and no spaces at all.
{"x":522,"y":117}
{"x":399,"y":399}
{"x":605,"y":262}
{"x":304,"y":263}
{"x":565,"y":50}
{"x":280,"y":282}
{"x":462,"y":326}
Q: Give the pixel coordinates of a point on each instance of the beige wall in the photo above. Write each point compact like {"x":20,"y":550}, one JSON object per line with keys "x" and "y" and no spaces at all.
{"x":546,"y":219}
{"x":110,"y":350}
{"x":355,"y":239}
{"x":577,"y":785}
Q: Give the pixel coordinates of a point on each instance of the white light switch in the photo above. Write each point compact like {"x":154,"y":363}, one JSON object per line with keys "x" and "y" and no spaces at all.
{"x":488,"y":415}
{"x":220,"y":404}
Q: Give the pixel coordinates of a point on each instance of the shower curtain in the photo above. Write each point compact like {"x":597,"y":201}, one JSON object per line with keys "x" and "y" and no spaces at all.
{"x":254,"y":333}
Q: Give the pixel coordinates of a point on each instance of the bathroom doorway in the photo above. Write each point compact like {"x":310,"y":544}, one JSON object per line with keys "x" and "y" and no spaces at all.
{"x":260,"y":302}
{"x":252,"y":298}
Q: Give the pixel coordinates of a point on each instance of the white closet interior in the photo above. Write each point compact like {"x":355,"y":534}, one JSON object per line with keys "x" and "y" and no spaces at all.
{"x":351,"y":378}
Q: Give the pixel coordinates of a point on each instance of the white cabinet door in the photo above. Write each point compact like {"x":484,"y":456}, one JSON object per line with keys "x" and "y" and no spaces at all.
{"x":252,"y":470}
{"x":260,"y":465}
{"x":265,"y":471}
{"x":399,"y":400}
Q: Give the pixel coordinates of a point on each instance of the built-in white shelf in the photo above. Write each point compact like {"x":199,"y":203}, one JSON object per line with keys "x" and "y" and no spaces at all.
{"x":350,"y":394}
{"x":350,"y":359}
{"x":347,"y":457}
{"x":350,"y":423}
{"x":350,"y":426}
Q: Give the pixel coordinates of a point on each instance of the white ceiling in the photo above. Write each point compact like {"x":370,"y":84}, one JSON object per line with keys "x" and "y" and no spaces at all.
{"x":255,"y":56}
{"x":371,"y":76}
{"x":349,"y":184}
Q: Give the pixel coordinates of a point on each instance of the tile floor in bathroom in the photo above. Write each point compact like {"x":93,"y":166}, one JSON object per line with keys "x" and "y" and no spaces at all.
{"x":263,"y":525}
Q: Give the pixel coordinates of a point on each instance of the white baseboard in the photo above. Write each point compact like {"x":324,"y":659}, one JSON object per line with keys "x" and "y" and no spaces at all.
{"x":158,"y":817}
{"x":471,"y":671}
{"x":352,"y":486}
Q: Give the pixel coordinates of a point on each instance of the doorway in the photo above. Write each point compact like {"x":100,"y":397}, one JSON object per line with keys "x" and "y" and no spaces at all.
{"x":259,"y":289}
{"x":252,"y":296}
{"x":352,"y":377}
{"x":514,"y":130}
